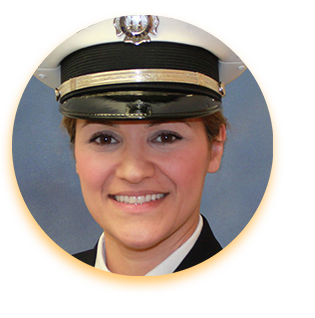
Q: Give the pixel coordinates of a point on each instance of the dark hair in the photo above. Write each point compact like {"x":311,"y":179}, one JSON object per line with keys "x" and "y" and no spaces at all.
{"x":213,"y":123}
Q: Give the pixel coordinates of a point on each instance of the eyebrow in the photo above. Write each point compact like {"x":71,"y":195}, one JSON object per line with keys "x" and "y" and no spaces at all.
{"x":101,"y":122}
{"x":167,"y":122}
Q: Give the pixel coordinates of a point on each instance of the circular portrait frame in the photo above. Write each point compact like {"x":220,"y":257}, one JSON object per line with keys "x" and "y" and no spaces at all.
{"x":138,"y":285}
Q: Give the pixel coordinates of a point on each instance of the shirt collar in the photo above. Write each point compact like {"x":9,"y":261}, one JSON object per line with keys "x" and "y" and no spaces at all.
{"x":168,"y":266}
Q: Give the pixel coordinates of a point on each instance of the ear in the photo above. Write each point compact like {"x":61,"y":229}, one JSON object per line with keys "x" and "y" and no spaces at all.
{"x":217,"y":151}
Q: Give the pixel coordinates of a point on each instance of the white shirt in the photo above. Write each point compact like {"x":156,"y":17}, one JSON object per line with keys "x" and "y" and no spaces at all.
{"x":168,"y":266}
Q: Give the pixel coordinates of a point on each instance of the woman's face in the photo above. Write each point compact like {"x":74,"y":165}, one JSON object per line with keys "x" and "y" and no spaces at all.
{"x":142,"y":182}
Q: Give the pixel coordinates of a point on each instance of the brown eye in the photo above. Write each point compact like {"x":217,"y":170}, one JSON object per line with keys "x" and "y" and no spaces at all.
{"x":103,"y":139}
{"x":167,"y":138}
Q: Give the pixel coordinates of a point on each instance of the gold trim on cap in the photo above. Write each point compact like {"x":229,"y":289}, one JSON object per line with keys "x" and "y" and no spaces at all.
{"x":139,"y":76}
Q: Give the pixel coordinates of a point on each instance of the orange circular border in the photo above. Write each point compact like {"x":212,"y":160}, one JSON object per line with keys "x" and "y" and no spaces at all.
{"x":130,"y":285}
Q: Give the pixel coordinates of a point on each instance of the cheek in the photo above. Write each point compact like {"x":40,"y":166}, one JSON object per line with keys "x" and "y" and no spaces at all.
{"x":188,"y":168}
{"x":93,"y":170}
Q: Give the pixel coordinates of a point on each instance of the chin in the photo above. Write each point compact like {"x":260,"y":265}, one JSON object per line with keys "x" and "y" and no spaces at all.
{"x":140,"y":240}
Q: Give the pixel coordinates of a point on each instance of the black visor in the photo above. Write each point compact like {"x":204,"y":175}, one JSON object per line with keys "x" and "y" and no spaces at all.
{"x":139,"y":105}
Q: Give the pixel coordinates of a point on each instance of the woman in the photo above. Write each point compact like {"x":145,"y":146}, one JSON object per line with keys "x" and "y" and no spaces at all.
{"x":143,"y":111}
{"x":141,"y":187}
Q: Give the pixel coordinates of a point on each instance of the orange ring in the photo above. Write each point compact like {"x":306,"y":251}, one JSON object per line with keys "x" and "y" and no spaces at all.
{"x":130,"y":285}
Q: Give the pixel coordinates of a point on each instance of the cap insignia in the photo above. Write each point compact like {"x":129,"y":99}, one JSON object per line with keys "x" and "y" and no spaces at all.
{"x":139,"y":109}
{"x":136,"y":27}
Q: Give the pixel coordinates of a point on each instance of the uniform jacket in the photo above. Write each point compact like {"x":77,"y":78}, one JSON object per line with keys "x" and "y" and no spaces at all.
{"x":205,"y":247}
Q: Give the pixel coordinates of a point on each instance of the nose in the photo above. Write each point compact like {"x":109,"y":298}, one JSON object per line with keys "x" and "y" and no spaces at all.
{"x":135,"y":165}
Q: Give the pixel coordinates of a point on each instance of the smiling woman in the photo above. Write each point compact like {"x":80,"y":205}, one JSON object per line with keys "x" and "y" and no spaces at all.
{"x":141,"y":188}
{"x":145,"y":121}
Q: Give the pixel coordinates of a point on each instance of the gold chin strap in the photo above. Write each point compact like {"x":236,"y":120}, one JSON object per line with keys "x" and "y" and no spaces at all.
{"x":138,"y":76}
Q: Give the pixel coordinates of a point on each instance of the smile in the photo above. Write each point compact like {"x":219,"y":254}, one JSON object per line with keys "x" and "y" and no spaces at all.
{"x":138,"y":199}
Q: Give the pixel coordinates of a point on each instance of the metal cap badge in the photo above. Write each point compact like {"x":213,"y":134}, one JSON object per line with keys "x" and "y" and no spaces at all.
{"x":136,"y":27}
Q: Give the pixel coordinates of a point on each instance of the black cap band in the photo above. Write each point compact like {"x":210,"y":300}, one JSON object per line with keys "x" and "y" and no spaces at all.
{"x":125,"y":56}
{"x":115,"y":57}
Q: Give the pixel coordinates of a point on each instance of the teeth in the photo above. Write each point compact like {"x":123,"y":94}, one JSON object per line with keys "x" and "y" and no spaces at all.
{"x":139,"y":199}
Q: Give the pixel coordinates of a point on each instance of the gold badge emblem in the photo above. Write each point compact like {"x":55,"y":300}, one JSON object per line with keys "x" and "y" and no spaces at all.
{"x":136,"y":27}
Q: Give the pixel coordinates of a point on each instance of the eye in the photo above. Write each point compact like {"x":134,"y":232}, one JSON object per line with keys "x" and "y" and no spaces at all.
{"x":167,"y":137}
{"x":103,"y":139}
